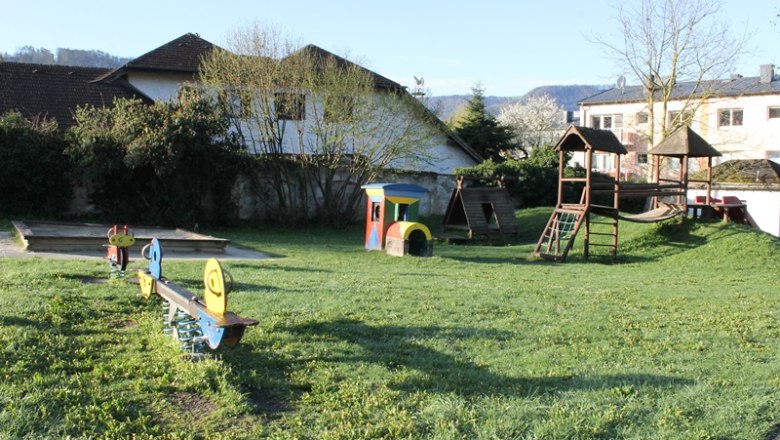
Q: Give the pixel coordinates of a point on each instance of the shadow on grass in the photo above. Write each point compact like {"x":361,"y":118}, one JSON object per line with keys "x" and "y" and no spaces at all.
{"x":233,"y":265}
{"x":263,"y":377}
{"x":396,"y":348}
{"x":520,"y":259}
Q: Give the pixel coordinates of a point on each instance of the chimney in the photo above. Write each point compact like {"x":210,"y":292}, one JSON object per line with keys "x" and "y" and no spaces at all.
{"x":767,"y":73}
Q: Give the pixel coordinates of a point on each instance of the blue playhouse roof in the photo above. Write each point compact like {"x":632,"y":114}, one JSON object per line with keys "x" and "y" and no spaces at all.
{"x":398,"y":189}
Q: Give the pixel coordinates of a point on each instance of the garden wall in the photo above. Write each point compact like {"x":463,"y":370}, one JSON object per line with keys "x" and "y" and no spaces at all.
{"x":251,"y":204}
{"x":250,"y":197}
{"x":763,"y":202}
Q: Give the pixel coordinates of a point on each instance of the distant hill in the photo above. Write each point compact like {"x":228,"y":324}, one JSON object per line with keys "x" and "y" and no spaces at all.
{"x":567,"y":97}
{"x":65,"y":57}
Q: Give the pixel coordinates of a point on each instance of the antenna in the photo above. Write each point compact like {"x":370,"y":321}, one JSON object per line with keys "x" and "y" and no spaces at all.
{"x":621,"y":83}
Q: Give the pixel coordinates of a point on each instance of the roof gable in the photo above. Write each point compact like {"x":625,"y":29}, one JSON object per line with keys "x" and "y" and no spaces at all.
{"x":183,"y":54}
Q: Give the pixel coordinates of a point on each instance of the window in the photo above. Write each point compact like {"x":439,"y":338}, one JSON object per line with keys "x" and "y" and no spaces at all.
{"x":680,"y":118}
{"x":290,"y":106}
{"x":339,"y":108}
{"x":773,"y":155}
{"x":642,"y":118}
{"x":641,"y":158}
{"x":774,"y":112}
{"x":607,"y":122}
{"x":236,"y":104}
{"x":729,"y":117}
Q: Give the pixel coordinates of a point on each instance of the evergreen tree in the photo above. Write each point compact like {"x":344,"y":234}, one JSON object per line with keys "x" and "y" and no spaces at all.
{"x":482,"y":131}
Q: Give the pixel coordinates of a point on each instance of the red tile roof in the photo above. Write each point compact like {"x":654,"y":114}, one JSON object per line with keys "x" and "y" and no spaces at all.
{"x":54,"y":92}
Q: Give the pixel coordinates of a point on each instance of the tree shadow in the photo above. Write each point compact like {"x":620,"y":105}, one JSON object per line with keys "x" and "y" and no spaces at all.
{"x":233,"y":265}
{"x":263,"y":377}
{"x":399,"y":347}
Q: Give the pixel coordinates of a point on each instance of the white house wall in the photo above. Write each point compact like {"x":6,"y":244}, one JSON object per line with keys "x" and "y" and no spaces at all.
{"x":158,"y":86}
{"x":444,"y":157}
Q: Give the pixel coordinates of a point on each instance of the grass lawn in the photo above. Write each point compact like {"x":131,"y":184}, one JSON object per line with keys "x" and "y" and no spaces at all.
{"x":679,"y":339}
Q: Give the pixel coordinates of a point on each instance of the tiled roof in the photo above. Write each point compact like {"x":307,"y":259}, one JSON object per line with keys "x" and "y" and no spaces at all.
{"x":54,"y":92}
{"x":182,"y":54}
{"x":739,"y":86}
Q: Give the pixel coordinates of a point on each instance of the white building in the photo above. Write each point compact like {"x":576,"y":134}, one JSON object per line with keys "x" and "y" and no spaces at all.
{"x":161,"y":73}
{"x":740,"y":117}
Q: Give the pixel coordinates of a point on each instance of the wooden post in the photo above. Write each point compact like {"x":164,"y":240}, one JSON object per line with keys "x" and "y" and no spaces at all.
{"x":684,"y":181}
{"x":561,"y":166}
{"x":616,"y":205}
{"x":709,"y":181}
{"x":586,"y":207}
{"x":656,"y":178}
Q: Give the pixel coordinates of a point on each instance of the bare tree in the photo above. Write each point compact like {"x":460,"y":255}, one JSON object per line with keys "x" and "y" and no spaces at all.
{"x":321,"y":124}
{"x":668,"y":43}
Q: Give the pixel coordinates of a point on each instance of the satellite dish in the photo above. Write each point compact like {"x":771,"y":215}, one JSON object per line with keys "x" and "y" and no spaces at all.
{"x":621,"y":83}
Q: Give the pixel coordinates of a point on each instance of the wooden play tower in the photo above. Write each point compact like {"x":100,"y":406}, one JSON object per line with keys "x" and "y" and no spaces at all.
{"x":601,"y":195}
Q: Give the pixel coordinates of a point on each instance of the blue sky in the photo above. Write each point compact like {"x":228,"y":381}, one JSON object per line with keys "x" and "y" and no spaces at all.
{"x":509,"y":46}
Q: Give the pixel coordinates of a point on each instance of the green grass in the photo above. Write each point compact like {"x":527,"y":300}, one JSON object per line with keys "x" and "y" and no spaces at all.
{"x":678,"y":339}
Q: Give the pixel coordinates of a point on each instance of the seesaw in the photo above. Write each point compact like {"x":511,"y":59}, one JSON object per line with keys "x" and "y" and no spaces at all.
{"x":191,"y":320}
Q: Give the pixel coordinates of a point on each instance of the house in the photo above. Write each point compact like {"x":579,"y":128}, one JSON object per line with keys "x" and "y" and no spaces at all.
{"x":56,"y":91}
{"x":739,"y":116}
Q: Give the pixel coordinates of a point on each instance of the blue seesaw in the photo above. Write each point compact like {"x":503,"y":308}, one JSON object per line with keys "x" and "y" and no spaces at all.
{"x":191,"y":320}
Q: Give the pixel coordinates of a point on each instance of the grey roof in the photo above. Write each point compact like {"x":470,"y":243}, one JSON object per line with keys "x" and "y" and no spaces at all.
{"x":583,"y":138}
{"x":54,"y":92}
{"x":684,"y":142}
{"x":739,"y":86}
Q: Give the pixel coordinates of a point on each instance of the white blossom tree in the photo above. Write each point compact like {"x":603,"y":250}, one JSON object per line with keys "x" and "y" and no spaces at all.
{"x":536,"y":123}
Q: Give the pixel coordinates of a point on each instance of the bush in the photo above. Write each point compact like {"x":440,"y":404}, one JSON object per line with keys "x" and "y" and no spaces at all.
{"x":531,"y":182}
{"x":171,"y":163}
{"x":34,"y":178}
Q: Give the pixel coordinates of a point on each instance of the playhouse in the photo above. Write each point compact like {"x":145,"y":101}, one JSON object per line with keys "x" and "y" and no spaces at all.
{"x":392,"y":211}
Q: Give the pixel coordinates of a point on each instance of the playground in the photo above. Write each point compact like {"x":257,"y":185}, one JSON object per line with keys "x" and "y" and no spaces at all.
{"x":675,"y":339}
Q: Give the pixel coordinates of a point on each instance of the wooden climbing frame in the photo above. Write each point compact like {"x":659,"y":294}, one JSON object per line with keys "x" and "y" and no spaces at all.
{"x":668,"y":195}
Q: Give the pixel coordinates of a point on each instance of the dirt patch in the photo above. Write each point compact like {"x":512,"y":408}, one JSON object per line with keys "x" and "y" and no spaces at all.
{"x":265,"y":402}
{"x":94,"y":280}
{"x":192,"y":404}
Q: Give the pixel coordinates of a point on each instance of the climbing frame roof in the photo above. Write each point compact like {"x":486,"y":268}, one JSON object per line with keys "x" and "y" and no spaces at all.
{"x":579,"y":138}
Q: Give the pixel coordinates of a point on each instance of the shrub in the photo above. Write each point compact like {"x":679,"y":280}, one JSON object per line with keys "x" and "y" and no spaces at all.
{"x":34,"y":178}
{"x":531,"y":182}
{"x":172,"y":163}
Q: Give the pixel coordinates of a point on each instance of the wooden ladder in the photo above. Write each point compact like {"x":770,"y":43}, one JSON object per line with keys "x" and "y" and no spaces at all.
{"x":602,"y":233}
{"x":558,"y":236}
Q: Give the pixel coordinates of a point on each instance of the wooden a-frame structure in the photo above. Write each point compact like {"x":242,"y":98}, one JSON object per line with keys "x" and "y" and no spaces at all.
{"x":481,"y":210}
